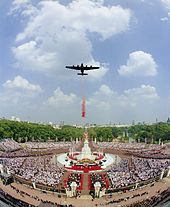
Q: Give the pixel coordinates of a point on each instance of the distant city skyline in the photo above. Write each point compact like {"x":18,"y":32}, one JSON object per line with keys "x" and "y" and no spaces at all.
{"x":62,"y":123}
{"x":128,"y":39}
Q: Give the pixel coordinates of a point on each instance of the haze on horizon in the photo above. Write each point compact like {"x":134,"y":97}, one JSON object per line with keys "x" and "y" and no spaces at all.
{"x":128,"y":39}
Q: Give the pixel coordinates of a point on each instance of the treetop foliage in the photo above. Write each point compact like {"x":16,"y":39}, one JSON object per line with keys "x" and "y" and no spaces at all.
{"x":24,"y":131}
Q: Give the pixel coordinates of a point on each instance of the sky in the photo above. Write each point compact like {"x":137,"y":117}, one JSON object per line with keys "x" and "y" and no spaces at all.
{"x":128,"y":39}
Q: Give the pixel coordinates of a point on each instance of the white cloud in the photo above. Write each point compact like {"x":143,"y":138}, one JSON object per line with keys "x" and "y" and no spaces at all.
{"x":57,"y":35}
{"x":24,"y":7}
{"x":21,"y":84}
{"x":144,"y":93}
{"x":103,"y":98}
{"x":99,"y":73}
{"x":59,"y":99}
{"x":93,"y":16}
{"x":33,"y":58}
{"x":164,"y":19}
{"x":136,"y":103}
{"x":131,"y":97}
{"x":19,"y":2}
{"x":19,"y":95}
{"x":104,"y":89}
{"x":139,"y":64}
{"x":166,"y":3}
{"x":105,"y":104}
{"x":8,"y":98}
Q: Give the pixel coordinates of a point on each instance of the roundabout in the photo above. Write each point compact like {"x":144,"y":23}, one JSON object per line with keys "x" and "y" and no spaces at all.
{"x":86,"y":165}
{"x":86,"y":160}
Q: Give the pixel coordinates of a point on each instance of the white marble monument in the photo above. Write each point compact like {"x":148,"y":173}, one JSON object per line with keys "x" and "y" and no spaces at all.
{"x":86,"y":151}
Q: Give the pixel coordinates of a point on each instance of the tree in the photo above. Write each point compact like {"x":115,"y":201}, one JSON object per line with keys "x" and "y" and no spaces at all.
{"x":1,"y":133}
{"x":115,"y":132}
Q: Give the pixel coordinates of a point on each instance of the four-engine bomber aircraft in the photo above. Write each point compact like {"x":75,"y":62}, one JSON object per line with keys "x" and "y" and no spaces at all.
{"x":82,"y":68}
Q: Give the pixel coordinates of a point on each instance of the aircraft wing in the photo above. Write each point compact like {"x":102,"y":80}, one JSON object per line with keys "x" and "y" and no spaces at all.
{"x":90,"y":68}
{"x":81,"y":67}
{"x":73,"y":67}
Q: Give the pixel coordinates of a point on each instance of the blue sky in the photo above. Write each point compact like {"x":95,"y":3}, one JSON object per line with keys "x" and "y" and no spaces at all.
{"x":128,"y":39}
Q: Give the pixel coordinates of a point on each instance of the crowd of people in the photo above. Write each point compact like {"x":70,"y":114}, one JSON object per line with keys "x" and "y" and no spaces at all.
{"x":18,"y":153}
{"x":74,"y":177}
{"x":40,"y":170}
{"x":33,"y":162}
{"x":153,"y":201}
{"x":32,"y":148}
{"x":140,"y":169}
{"x":139,"y":149}
{"x":8,"y":145}
{"x":7,"y":198}
{"x":126,"y":198}
{"x":122,"y":146}
{"x":96,"y":177}
{"x":45,"y":145}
